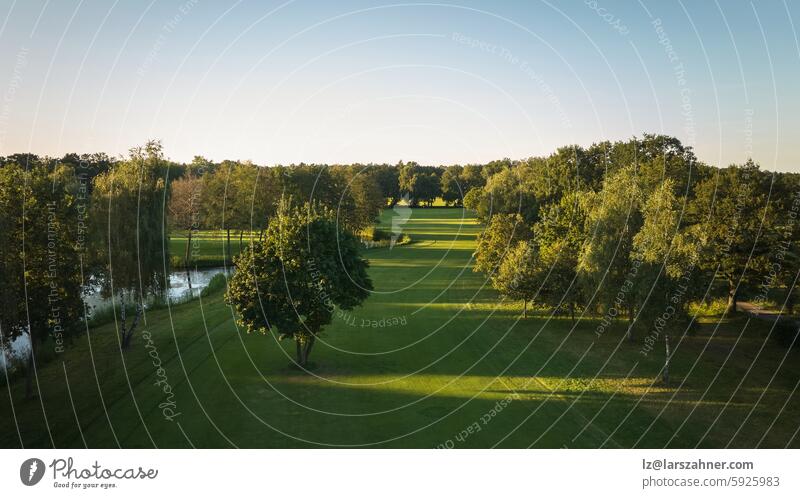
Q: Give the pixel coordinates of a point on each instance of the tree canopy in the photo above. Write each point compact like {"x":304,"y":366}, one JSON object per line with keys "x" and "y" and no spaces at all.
{"x":291,"y":282}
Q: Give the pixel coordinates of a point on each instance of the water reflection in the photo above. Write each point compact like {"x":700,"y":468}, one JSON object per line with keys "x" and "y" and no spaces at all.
{"x":183,"y":285}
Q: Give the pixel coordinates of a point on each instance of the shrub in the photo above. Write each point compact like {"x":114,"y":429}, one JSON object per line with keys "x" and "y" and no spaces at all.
{"x":711,"y":307}
{"x":218,"y":282}
{"x":375,"y":234}
{"x":103,"y":314}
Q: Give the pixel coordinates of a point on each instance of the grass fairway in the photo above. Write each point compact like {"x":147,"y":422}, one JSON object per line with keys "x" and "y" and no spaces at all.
{"x":433,"y":357}
{"x":208,"y":248}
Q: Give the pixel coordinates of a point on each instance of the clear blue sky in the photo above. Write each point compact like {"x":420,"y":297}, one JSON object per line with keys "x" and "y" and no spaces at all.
{"x":371,"y":81}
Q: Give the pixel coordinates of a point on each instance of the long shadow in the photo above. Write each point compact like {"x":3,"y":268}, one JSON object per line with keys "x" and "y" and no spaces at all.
{"x":420,"y":423}
{"x":408,"y":421}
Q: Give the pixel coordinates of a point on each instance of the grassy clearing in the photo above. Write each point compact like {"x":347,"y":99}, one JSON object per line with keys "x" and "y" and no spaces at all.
{"x":432,"y":353}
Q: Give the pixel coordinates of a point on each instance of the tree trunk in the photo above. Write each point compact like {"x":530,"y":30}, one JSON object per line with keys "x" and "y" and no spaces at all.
{"x":732,"y":297}
{"x":128,"y":335}
{"x":228,"y":255}
{"x":186,"y":260}
{"x":572,"y":312}
{"x":303,"y":350}
{"x":666,"y":359}
{"x":630,"y":325}
{"x":309,"y":345}
{"x":241,"y":234}
{"x":524,"y":308}
{"x":122,"y":313}
{"x":29,"y":371}
{"x":188,"y":245}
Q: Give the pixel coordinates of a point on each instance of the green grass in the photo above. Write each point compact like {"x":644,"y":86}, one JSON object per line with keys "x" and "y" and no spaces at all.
{"x":455,"y":356}
{"x":208,"y":248}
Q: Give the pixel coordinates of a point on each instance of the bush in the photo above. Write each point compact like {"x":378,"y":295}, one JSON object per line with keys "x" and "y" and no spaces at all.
{"x":786,"y":333}
{"x":218,"y":282}
{"x":369,"y":233}
{"x":711,"y":307}
{"x":101,"y":315}
{"x":402,"y":240}
{"x":375,"y":234}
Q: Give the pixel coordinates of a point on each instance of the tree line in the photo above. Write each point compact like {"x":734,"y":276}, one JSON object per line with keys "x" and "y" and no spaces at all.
{"x":638,"y":231}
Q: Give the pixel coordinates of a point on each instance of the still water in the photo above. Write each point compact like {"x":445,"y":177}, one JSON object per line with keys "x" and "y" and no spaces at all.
{"x":179,"y":285}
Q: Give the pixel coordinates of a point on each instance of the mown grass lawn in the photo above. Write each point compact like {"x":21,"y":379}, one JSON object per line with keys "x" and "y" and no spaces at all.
{"x":433,"y":357}
{"x":208,"y":248}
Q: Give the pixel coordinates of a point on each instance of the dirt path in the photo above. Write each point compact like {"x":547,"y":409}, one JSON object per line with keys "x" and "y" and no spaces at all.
{"x":756,"y":312}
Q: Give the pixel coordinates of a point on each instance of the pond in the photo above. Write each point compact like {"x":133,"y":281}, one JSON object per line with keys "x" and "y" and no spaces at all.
{"x":183,"y":285}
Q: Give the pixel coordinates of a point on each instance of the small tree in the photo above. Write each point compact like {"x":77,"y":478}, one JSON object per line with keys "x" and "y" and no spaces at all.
{"x":471,"y":178}
{"x":184,"y":208}
{"x":228,"y":198}
{"x":387,"y":178}
{"x":497,"y":240}
{"x":519,"y":274}
{"x":427,"y":188}
{"x":291,"y":282}
{"x":407,"y":178}
{"x":364,"y":202}
{"x":560,"y":235}
{"x":452,"y":190}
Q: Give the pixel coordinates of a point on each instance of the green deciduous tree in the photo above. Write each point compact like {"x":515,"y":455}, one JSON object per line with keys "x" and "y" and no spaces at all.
{"x":362,"y":202}
{"x":130,"y":233}
{"x":388,"y":179}
{"x":471,"y":178}
{"x":667,"y":280}
{"x":420,"y":183}
{"x":605,"y":263}
{"x":452,"y":189}
{"x":500,"y":236}
{"x":228,"y":199}
{"x":185,"y":209}
{"x":519,"y":274}
{"x":507,"y":192}
{"x":40,"y":266}
{"x":560,"y":235}
{"x":736,"y":223}
{"x":427,"y":187}
{"x":291,"y":282}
